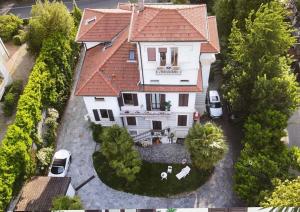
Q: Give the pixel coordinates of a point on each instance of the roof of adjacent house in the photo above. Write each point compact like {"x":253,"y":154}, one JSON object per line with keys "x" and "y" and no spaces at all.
{"x":169,"y":23}
{"x":106,"y":70}
{"x":38,"y":193}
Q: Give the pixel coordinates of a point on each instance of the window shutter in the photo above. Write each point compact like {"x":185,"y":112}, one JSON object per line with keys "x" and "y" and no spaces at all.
{"x":182,"y":120}
{"x":120,"y":101}
{"x":162,"y":49}
{"x":111,"y":115}
{"x":148,"y":102}
{"x":183,"y":100}
{"x":135,"y":100}
{"x":96,"y":115}
{"x":162,"y":101}
{"x":151,"y":54}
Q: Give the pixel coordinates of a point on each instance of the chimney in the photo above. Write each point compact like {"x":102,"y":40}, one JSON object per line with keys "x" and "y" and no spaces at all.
{"x":140,"y":5}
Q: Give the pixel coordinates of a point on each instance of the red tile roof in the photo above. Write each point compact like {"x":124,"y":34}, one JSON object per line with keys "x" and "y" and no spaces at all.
{"x":169,"y":23}
{"x":104,"y":24}
{"x":213,"y":45}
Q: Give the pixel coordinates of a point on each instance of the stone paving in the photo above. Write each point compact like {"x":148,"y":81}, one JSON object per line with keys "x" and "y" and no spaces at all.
{"x":74,"y":135}
{"x":167,"y":153}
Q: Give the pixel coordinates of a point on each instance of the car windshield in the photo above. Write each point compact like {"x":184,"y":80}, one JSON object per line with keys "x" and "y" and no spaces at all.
{"x":57,"y":169}
{"x":215,"y":105}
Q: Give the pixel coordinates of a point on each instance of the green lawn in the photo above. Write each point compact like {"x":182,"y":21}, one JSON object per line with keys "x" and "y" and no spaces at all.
{"x":148,"y":181}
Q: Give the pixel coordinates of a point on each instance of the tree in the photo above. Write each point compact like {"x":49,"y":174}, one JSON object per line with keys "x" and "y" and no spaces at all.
{"x":117,"y":147}
{"x":9,"y":25}
{"x":66,"y":203}
{"x":48,"y":18}
{"x":267,"y":31}
{"x":77,"y":14}
{"x":206,"y":145}
{"x":285,"y":194}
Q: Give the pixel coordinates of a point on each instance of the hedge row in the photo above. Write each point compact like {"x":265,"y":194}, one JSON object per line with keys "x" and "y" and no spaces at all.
{"x":49,"y":84}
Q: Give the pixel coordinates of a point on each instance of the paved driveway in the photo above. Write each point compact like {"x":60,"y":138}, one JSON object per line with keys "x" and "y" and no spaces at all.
{"x":294,"y":129}
{"x":75,"y":136}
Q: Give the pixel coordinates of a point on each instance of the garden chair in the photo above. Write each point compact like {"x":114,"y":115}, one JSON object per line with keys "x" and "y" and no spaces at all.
{"x":170,"y":169}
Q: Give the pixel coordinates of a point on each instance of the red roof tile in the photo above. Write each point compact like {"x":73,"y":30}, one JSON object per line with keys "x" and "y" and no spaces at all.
{"x":213,"y":45}
{"x":104,"y":24}
{"x":169,"y":23}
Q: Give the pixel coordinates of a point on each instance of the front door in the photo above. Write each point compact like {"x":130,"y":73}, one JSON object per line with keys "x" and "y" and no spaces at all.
{"x":156,"y":125}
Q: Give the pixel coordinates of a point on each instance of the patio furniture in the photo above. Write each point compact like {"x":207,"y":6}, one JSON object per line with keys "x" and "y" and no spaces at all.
{"x":184,"y":172}
{"x":184,"y":161}
{"x":169,"y":169}
{"x":164,"y":175}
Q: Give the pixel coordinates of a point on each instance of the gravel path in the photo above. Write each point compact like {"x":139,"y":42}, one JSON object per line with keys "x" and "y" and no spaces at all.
{"x":75,"y":136}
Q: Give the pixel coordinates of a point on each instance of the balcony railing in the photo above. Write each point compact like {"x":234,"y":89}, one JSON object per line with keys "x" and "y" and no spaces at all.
{"x":144,"y":113}
{"x":168,"y":70}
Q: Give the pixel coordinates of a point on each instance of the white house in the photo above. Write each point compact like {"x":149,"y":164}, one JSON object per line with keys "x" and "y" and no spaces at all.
{"x":5,"y":77}
{"x":146,"y":67}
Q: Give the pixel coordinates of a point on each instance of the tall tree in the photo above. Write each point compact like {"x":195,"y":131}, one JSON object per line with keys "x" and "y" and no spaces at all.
{"x":117,"y":147}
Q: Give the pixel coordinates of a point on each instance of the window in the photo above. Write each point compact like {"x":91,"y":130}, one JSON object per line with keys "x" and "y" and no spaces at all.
{"x":131,"y":120}
{"x":183,"y":100}
{"x":155,"y":101}
{"x":174,"y":56}
{"x":162,"y":54}
{"x":96,"y":115}
{"x":133,"y":132}
{"x":182,"y":120}
{"x":151,"y":54}
{"x":104,"y":114}
{"x":130,"y":99}
{"x":184,"y":81}
{"x":100,"y":99}
{"x":131,"y":55}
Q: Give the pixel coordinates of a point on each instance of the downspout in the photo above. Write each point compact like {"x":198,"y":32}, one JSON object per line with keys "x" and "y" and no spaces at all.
{"x":141,"y":59}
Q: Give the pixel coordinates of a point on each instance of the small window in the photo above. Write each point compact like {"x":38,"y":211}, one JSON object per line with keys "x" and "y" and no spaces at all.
{"x":182,"y":120}
{"x":131,"y":121}
{"x":183,"y":100}
{"x":174,"y":56}
{"x":131,"y":55}
{"x":162,"y":58}
{"x":133,"y":132}
{"x":151,"y":54}
{"x":104,"y":114}
{"x":184,"y":81}
{"x":100,"y":99}
{"x":130,"y":99}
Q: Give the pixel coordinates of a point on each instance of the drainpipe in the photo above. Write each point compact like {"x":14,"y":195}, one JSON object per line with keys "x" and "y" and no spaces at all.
{"x":141,"y":59}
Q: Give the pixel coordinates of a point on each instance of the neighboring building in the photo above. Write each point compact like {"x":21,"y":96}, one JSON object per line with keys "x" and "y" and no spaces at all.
{"x":38,"y":193}
{"x":140,"y":57}
{"x":5,"y":78}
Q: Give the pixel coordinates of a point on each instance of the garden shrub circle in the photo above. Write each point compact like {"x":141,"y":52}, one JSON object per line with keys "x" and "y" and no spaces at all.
{"x":148,"y":182}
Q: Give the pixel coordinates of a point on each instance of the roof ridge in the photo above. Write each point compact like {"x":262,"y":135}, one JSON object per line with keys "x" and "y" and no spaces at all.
{"x":159,"y":10}
{"x":107,"y":81}
{"x":190,"y":23}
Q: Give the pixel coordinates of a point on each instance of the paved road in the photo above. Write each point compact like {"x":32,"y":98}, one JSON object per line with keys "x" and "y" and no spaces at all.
{"x":294,"y":129}
{"x":23,"y":10}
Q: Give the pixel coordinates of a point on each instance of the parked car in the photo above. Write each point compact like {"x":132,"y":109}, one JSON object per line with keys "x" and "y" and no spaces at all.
{"x":60,"y":164}
{"x":213,"y":104}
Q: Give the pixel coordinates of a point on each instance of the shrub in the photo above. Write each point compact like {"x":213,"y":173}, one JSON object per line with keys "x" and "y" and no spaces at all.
{"x":51,"y":127}
{"x":206,"y":145}
{"x":117,"y":147}
{"x":44,"y":155}
{"x":9,"y":25}
{"x":97,"y":130}
{"x":66,"y":203}
{"x":20,"y":38}
{"x":11,"y":97}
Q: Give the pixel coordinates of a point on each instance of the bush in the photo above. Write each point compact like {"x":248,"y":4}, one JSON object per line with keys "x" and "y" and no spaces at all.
{"x":51,"y":127}
{"x":97,"y":130}
{"x":44,"y":155}
{"x":11,"y":97}
{"x":20,"y":38}
{"x":117,"y":147}
{"x":9,"y":25}
{"x":206,"y":145}
{"x":67,"y":203}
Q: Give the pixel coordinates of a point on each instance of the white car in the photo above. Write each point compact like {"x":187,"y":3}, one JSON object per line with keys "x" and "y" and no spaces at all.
{"x":60,"y":164}
{"x":213,"y":104}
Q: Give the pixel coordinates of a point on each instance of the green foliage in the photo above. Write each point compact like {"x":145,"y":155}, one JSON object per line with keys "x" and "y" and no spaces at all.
{"x":286,"y":194}
{"x":295,"y":157}
{"x":51,"y":127}
{"x":44,"y":155}
{"x":180,"y":1}
{"x":48,"y":19}
{"x":67,"y":203}
{"x":20,"y":38}
{"x":117,"y":147}
{"x":11,"y":97}
{"x":77,"y":14}
{"x":206,"y":145}
{"x":97,"y":131}
{"x":248,"y":70}
{"x":9,"y":25}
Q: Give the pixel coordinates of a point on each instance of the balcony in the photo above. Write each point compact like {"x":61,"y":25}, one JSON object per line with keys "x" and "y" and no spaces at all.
{"x":144,"y":113}
{"x":168,"y":70}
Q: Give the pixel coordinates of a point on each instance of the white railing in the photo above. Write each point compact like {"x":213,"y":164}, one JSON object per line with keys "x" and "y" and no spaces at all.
{"x":144,"y":113}
{"x":168,"y":70}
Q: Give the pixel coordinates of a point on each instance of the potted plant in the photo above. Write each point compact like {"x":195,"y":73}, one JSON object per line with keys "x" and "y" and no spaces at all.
{"x":167,"y":105}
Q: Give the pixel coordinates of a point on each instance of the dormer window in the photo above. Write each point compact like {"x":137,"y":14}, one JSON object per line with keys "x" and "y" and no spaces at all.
{"x":131,"y":55}
{"x":90,"y":20}
{"x":162,"y":55}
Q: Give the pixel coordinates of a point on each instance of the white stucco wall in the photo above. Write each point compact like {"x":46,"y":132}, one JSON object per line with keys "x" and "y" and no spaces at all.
{"x":3,"y":69}
{"x":206,"y":60}
{"x":188,"y":61}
